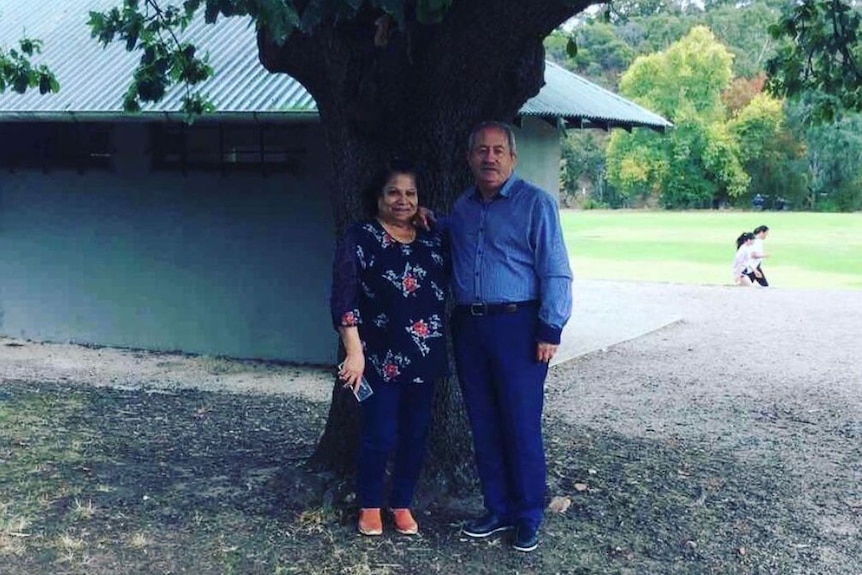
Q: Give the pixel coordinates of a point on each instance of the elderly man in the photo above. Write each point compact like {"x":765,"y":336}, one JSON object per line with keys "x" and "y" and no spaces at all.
{"x":512,"y":289}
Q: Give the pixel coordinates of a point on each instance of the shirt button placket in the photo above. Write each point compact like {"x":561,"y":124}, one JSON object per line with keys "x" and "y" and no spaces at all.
{"x":479,"y":249}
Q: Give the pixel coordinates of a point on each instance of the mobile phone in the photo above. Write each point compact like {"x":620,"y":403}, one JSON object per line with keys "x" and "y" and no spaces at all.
{"x":364,"y":390}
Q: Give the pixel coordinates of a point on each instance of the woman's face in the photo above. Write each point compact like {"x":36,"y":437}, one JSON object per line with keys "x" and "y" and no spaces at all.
{"x":399,"y":200}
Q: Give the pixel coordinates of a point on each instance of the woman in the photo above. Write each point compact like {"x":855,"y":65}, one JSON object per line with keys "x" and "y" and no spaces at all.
{"x":388,"y":306}
{"x":742,"y":261}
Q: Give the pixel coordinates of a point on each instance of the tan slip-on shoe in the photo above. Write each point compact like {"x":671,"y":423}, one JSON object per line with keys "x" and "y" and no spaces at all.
{"x":370,"y":522}
{"x":404,"y":522}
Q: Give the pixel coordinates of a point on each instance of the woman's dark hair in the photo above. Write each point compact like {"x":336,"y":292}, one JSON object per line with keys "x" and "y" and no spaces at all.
{"x":395,"y":166}
{"x":759,"y":229}
{"x":743,"y":237}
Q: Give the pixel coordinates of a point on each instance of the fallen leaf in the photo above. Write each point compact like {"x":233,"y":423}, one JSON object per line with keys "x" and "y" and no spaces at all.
{"x":559,"y":504}
{"x":581,"y":487}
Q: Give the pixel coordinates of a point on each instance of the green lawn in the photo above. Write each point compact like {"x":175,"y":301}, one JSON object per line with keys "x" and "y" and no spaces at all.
{"x":807,"y":250}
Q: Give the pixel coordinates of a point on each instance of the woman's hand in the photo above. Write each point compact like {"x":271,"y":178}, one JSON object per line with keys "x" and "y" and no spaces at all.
{"x":351,"y":370}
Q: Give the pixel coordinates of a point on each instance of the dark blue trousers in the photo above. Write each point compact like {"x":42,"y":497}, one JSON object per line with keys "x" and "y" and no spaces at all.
{"x":395,"y":418}
{"x":503,"y":389}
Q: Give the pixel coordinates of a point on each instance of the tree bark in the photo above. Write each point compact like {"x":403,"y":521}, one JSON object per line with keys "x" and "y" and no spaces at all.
{"x":418,"y":93}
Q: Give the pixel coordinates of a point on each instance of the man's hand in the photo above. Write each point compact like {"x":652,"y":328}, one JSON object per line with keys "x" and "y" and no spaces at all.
{"x":424,"y":218}
{"x":545,"y":352}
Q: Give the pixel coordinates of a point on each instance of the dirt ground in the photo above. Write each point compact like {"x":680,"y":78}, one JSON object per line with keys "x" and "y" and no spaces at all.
{"x":727,"y":442}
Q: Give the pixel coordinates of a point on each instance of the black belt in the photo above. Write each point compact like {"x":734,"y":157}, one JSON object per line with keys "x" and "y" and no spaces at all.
{"x":480,"y":309}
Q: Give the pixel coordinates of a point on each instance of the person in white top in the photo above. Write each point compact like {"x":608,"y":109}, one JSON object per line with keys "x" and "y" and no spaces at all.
{"x":742,"y":262}
{"x":758,"y":255}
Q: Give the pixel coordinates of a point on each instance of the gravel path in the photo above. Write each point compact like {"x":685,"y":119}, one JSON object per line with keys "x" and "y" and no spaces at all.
{"x":772,"y":376}
{"x":733,"y":350}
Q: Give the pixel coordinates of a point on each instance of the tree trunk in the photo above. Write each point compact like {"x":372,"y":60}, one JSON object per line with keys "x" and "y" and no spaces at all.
{"x":416,"y":92}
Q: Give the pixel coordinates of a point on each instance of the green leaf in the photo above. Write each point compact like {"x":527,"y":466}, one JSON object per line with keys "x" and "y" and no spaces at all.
{"x":28,"y":47}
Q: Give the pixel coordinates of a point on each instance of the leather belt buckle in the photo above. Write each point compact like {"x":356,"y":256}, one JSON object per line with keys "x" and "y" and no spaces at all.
{"x":478,"y":309}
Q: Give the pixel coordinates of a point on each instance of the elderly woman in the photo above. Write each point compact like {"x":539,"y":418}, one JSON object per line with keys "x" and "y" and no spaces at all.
{"x":388,"y":293}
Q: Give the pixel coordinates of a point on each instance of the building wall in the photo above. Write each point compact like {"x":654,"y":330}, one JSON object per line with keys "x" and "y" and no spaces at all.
{"x":539,"y":154}
{"x":234,"y":265}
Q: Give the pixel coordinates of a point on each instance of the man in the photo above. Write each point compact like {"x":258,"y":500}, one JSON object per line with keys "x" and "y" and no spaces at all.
{"x":758,"y":255}
{"x":512,"y":289}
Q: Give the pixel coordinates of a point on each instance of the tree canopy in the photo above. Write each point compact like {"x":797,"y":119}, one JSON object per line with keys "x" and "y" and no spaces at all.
{"x":698,"y":160}
{"x":820,"y":53}
{"x":777,"y":140}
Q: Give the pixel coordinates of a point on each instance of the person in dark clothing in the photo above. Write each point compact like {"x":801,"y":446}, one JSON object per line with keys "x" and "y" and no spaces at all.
{"x":388,"y":305}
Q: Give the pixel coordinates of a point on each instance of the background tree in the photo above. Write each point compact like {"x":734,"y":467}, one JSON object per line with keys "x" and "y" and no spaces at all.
{"x":819,"y":54}
{"x":769,"y":148}
{"x":698,"y":161}
{"x":601,"y":55}
{"x":582,"y":180}
{"x":744,"y":29}
{"x":834,"y":158}
{"x":811,"y":56}
{"x":407,"y":77}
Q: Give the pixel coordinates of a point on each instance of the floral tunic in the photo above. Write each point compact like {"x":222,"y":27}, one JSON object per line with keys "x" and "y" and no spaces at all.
{"x":395,"y":294}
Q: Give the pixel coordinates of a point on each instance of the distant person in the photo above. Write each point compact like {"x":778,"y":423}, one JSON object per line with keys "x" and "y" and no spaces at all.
{"x":758,"y":255}
{"x":757,"y":202}
{"x":388,"y":305}
{"x":742,"y":261}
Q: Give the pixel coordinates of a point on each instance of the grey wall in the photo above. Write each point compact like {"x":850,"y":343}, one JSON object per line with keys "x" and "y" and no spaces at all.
{"x":539,"y":154}
{"x":236,"y":265}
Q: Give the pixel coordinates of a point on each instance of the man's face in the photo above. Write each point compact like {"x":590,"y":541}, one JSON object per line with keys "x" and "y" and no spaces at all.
{"x":491,"y":160}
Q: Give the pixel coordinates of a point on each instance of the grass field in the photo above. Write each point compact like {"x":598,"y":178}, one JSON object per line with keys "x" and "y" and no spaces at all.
{"x":806,"y":250}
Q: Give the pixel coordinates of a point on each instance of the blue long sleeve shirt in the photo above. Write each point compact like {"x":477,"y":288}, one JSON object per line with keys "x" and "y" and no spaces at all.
{"x":511,"y":249}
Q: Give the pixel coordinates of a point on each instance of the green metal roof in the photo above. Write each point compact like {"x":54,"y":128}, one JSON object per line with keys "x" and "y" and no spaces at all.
{"x":93,"y":79}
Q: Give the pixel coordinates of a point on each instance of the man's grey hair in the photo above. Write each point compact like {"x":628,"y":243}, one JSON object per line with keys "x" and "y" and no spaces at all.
{"x":502,"y":126}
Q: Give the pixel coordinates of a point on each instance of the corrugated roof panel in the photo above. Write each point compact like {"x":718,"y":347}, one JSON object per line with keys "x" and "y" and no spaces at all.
{"x":567,"y":95}
{"x":93,"y":79}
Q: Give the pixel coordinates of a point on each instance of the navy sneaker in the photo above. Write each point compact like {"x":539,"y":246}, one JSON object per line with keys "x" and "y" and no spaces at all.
{"x":526,"y":538}
{"x":486,"y":526}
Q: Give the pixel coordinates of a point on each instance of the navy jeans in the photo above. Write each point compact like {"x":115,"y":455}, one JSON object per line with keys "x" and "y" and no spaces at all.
{"x":503,"y":389}
{"x":395,"y":418}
